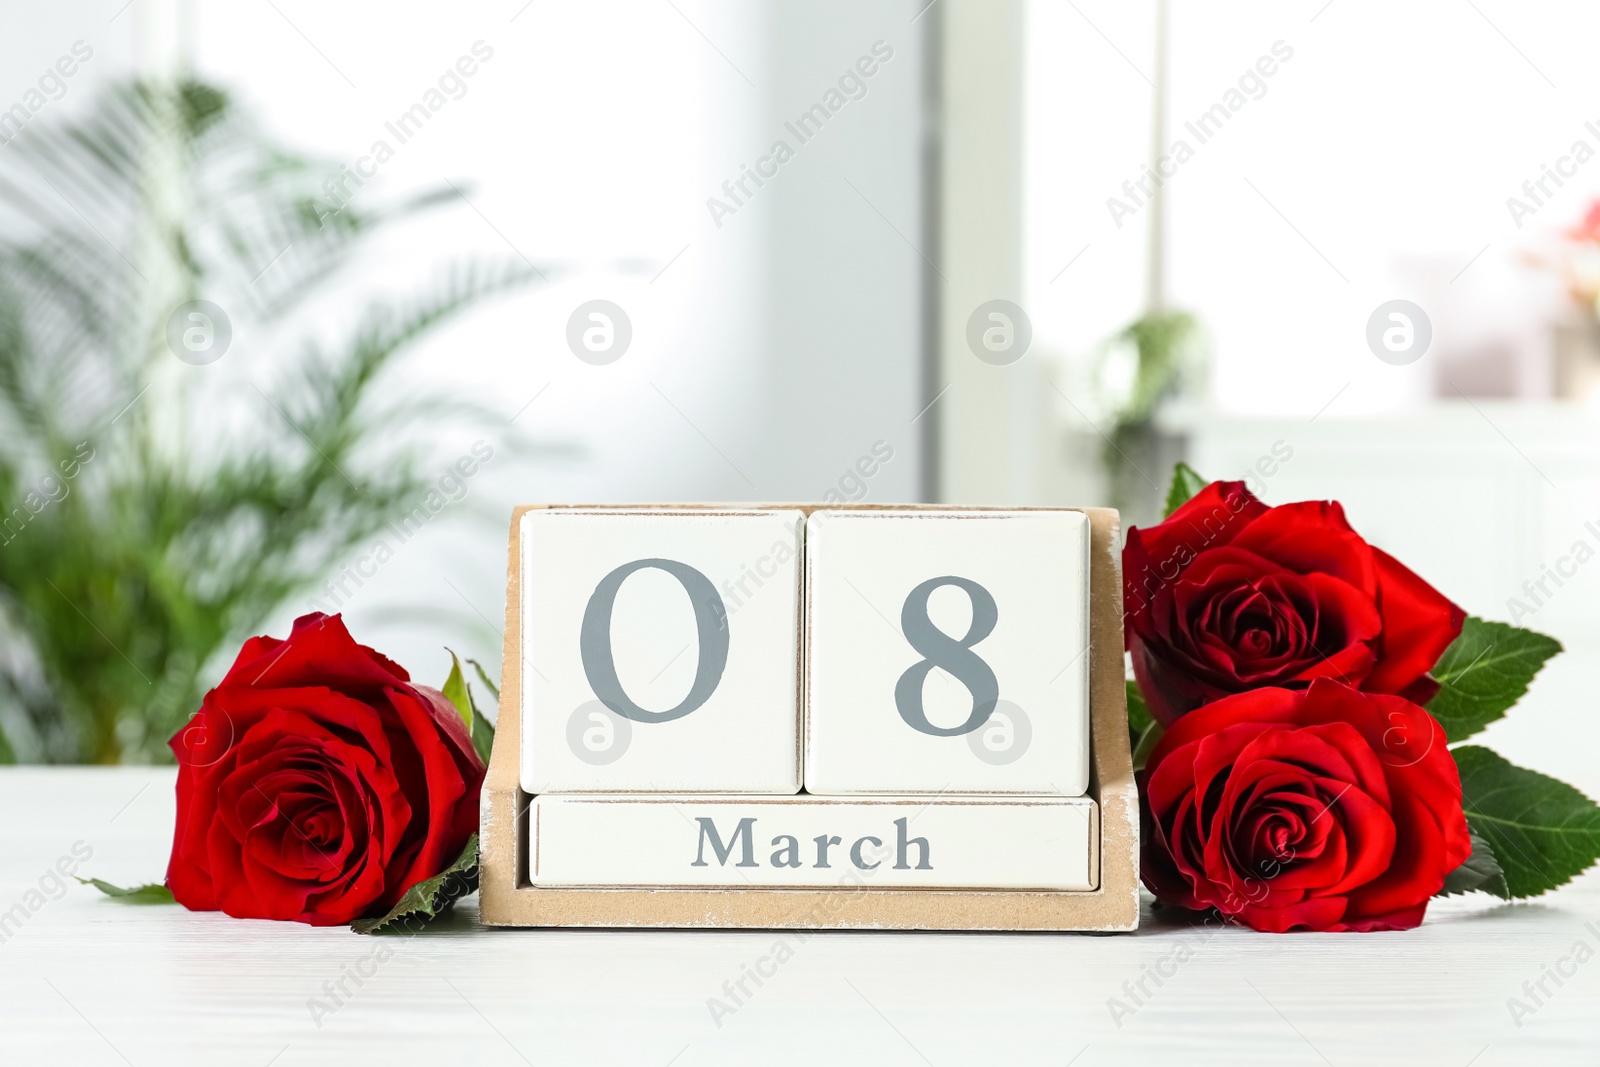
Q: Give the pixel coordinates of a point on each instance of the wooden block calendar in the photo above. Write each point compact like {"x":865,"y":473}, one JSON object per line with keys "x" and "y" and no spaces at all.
{"x":799,"y":716}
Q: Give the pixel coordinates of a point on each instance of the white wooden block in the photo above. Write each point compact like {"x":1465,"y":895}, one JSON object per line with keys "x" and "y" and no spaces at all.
{"x":774,"y":842}
{"x":947,"y":652}
{"x":661,"y":650}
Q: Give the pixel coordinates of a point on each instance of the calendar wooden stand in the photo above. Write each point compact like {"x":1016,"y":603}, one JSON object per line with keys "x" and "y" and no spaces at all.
{"x":508,"y":899}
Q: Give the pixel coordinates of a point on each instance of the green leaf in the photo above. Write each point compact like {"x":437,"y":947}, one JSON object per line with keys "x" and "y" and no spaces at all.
{"x":1147,"y":744}
{"x":139,"y":894}
{"x":1484,"y":672}
{"x":482,"y":732}
{"x":483,"y":676}
{"x":455,"y":691}
{"x":1186,"y":482}
{"x":1480,"y":871}
{"x":1139,"y":717}
{"x":482,"y":728}
{"x":459,"y":693}
{"x":1543,"y":832}
{"x":430,"y":898}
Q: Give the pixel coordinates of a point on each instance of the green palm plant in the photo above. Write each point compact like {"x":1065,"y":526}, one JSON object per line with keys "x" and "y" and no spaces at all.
{"x":150,"y":518}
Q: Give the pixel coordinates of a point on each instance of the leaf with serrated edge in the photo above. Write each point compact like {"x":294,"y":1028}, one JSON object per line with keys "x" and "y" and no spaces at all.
{"x":1484,"y":672}
{"x":1480,"y":871}
{"x":482,"y":730}
{"x":455,"y":691}
{"x":429,"y":898}
{"x":1186,"y":482}
{"x":139,"y":894}
{"x":1543,"y":831}
{"x":482,"y":738}
{"x":483,"y":676}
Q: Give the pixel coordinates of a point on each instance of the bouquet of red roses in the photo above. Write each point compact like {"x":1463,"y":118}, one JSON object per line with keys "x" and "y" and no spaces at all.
{"x":1298,"y":703}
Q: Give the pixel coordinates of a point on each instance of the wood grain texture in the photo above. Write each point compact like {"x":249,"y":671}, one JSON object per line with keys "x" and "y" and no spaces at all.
{"x":509,"y":900}
{"x":88,"y":981}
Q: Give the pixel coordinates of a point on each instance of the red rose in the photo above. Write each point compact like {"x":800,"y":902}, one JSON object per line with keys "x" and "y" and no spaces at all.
{"x":316,"y":783}
{"x":1322,"y":809}
{"x":1229,"y":595}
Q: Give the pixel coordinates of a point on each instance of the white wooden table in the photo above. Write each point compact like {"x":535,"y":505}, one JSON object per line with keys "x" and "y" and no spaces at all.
{"x":85,"y":980}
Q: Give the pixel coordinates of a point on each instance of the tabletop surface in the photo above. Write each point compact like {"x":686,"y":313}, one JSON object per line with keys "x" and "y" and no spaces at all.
{"x":88,"y":980}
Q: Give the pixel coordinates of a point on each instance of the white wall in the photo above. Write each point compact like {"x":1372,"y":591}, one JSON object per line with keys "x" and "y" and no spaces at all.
{"x":37,"y":35}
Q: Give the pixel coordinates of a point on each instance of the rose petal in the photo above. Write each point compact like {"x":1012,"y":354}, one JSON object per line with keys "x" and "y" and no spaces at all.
{"x":1315,"y":913}
{"x":452,"y":813}
{"x":1313,"y":537}
{"x":1418,"y":625}
{"x":319,"y":652}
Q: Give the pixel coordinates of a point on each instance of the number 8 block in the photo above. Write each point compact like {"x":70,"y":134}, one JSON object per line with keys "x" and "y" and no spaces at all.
{"x":947,"y":652}
{"x":661,"y":650}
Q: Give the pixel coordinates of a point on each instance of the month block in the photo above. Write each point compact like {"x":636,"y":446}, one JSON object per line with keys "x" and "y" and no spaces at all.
{"x":947,"y":652}
{"x":660,"y":650}
{"x":804,"y":841}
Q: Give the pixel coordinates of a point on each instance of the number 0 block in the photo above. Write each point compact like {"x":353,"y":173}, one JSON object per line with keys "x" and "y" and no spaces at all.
{"x":660,"y":650}
{"x":947,"y":652}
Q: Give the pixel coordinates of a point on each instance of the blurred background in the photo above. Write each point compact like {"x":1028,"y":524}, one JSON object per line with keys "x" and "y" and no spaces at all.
{"x":298,"y":300}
